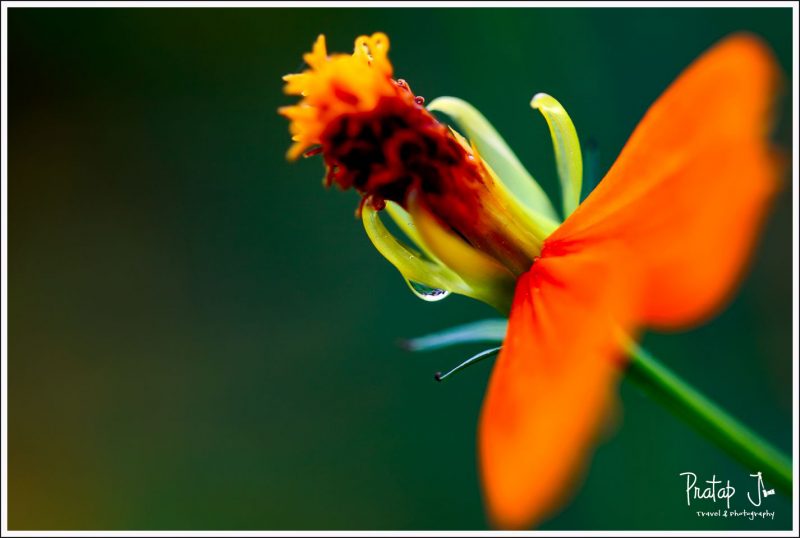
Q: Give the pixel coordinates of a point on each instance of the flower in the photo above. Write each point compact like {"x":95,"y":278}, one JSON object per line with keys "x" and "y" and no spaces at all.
{"x":377,"y":137}
{"x":661,"y":242}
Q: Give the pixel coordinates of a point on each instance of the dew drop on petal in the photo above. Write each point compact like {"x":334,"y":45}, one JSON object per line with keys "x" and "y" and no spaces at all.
{"x":426,"y":293}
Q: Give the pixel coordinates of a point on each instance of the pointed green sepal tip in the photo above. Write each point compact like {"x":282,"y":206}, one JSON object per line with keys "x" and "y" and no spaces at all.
{"x":486,"y":330}
{"x":567,"y":149}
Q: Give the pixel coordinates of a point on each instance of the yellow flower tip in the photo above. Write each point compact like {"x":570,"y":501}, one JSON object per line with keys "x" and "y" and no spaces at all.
{"x":318,"y":55}
{"x":374,"y":49}
{"x":338,"y":84}
{"x":294,"y":152}
{"x":296,"y":84}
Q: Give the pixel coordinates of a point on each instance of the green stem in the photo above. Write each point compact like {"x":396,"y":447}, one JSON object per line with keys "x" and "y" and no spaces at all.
{"x":730,"y":435}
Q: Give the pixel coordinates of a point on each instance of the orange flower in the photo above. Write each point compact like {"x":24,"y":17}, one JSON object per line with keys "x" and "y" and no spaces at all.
{"x":661,"y":242}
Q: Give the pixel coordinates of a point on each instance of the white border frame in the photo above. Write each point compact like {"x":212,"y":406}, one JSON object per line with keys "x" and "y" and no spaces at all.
{"x":311,"y":4}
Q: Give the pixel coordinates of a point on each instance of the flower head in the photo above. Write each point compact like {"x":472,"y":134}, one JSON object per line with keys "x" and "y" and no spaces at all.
{"x":661,"y":242}
{"x":377,"y":137}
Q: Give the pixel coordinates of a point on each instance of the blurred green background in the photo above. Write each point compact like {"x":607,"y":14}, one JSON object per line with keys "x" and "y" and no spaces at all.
{"x":201,"y":337}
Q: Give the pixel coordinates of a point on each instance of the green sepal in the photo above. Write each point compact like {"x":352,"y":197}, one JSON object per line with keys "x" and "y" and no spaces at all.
{"x":415,"y":267}
{"x":567,"y":149}
{"x":487,"y":330}
{"x":496,"y":152}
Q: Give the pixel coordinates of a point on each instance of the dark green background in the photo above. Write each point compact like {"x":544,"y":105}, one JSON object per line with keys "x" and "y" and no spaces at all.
{"x":201,"y":337}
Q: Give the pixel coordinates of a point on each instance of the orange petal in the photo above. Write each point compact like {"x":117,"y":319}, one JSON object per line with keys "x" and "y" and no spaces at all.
{"x":690,"y":189}
{"x":552,"y":384}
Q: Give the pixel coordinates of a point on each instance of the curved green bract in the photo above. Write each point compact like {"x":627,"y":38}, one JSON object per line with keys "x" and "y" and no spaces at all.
{"x":404,"y":221}
{"x":567,"y":149}
{"x":411,"y":264}
{"x":494,"y":150}
{"x":487,"y":330}
{"x":431,"y":273}
{"x":530,"y":226}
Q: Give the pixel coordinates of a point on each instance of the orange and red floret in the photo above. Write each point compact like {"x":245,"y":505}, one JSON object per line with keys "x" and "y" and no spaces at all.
{"x":376,"y":137}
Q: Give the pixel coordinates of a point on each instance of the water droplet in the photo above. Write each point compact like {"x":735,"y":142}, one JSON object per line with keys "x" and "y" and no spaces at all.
{"x":426,"y":293}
